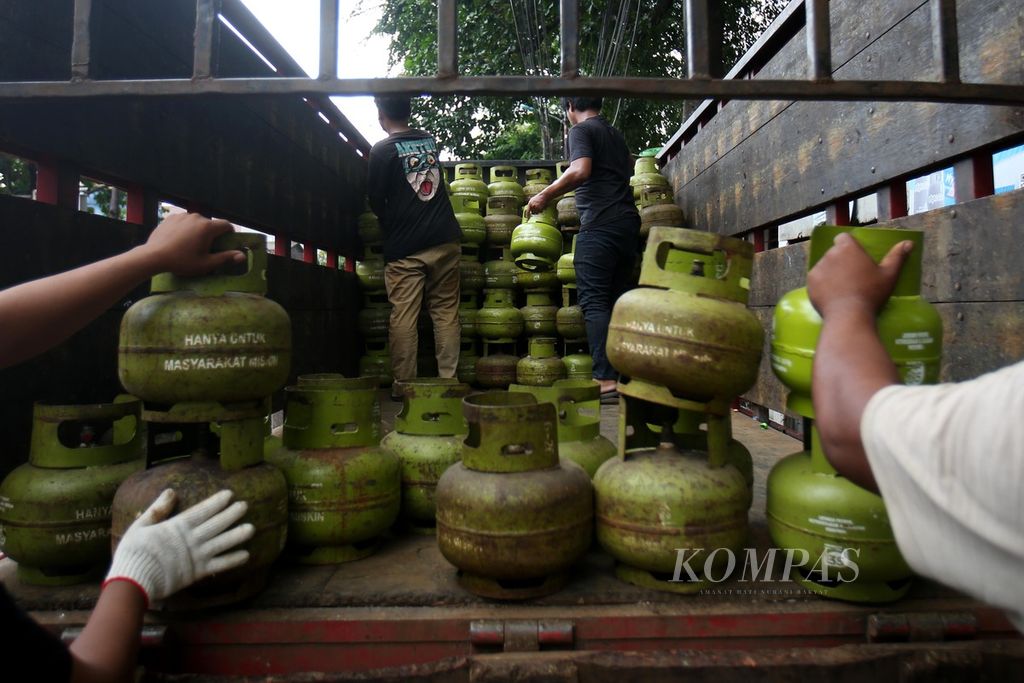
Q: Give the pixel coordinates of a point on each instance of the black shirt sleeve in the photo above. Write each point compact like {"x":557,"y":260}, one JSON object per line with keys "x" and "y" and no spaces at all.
{"x":29,"y":646}
{"x":376,"y":179}
{"x":580,"y":144}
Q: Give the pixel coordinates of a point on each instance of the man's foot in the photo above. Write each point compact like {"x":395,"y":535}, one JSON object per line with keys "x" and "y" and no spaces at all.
{"x":607,"y":385}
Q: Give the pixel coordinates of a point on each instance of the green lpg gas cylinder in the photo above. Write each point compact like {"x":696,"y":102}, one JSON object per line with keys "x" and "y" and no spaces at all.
{"x":498,"y":320}
{"x":579,"y":420}
{"x":840,"y":530}
{"x":539,"y":313}
{"x":230,"y":459}
{"x":427,"y":440}
{"x":657,"y":207}
{"x":496,"y":369}
{"x":578,"y":366}
{"x":536,"y":180}
{"x":569,"y":320}
{"x":568,"y":215}
{"x":909,"y":326}
{"x":369,"y":228}
{"x":501,"y":273}
{"x":469,"y":215}
{"x":511,"y":516}
{"x":471,"y":271}
{"x":467,"y":314}
{"x":646,"y":177}
{"x":503,"y":215}
{"x":344,"y":491}
{"x":208,"y":338}
{"x":566,"y":269}
{"x":546,"y":280}
{"x":537,"y":243}
{"x":55,"y":509}
{"x":687,"y":328}
{"x":542,"y":366}
{"x":376,"y":362}
{"x":653,"y":501}
{"x":466,"y":369}
{"x":505,"y":183}
{"x":375,"y":317}
{"x":469,"y":182}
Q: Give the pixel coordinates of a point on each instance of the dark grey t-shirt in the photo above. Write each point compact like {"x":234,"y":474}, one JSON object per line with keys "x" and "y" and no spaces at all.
{"x":606,"y":196}
{"x":405,"y":191}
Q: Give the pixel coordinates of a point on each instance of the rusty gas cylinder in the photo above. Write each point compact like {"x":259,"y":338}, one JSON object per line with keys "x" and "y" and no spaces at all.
{"x":511,"y":516}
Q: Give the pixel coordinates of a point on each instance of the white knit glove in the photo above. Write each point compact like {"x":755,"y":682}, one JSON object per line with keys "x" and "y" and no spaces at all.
{"x":162,"y":557}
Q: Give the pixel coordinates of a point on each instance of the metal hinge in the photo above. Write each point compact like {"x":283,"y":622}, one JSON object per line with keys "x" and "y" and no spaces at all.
{"x":915,"y":627}
{"x":151,"y":635}
{"x":522,"y":635}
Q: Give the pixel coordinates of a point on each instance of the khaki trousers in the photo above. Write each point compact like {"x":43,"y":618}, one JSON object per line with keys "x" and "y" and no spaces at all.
{"x":431,"y":275}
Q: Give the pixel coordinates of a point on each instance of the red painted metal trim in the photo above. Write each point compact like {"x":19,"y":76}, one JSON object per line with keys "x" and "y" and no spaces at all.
{"x":282,"y":245}
{"x":350,"y":265}
{"x":759,"y":240}
{"x":332,"y":259}
{"x":974,"y":177}
{"x":57,"y":183}
{"x":892,"y":200}
{"x":308,"y":253}
{"x":838,"y":213}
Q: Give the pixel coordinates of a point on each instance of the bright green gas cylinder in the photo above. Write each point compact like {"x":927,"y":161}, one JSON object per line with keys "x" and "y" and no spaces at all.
{"x":579,"y":420}
{"x":469,"y":181}
{"x":909,"y":326}
{"x":652,"y":501}
{"x":646,"y":177}
{"x":209,"y":338}
{"x":687,"y":327}
{"x":851,"y":553}
{"x":376,"y":362}
{"x":843,"y":528}
{"x":511,"y":516}
{"x":55,"y":509}
{"x":469,"y":215}
{"x":569,"y":323}
{"x":536,"y":242}
{"x":427,"y":439}
{"x":505,"y":183}
{"x":501,"y":272}
{"x":578,"y":366}
{"x":566,"y":268}
{"x":344,"y":491}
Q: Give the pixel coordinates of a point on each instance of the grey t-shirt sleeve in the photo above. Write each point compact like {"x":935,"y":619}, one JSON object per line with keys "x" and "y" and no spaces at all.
{"x":949,"y":462}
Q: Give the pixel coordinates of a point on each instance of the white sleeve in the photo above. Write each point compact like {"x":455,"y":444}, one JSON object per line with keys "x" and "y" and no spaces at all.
{"x":949,"y":462}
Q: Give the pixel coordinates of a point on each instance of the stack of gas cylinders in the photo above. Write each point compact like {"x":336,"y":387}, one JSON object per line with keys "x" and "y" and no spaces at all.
{"x":375,"y":314}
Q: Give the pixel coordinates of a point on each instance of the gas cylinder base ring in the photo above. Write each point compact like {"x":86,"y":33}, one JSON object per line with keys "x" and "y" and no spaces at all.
{"x":33,"y":576}
{"x":334,"y":554}
{"x":647,"y":579}
{"x":856,"y":591}
{"x":512,"y":589}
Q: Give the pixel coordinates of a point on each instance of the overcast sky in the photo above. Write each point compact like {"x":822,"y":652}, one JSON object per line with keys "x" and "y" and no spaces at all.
{"x":296,"y":25}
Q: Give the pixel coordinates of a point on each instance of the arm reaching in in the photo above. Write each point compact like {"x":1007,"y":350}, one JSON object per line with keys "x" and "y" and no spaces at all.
{"x":156,"y":558}
{"x":40,"y":314}
{"x":850,"y":365}
{"x":574,"y":176}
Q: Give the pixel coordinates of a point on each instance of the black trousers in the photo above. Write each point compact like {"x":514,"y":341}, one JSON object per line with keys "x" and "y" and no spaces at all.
{"x":604,"y":261}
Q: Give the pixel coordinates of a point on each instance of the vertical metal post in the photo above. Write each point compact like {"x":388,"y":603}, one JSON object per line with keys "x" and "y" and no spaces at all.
{"x":332,"y":259}
{"x":838,"y":213}
{"x":819,"y":39}
{"x":57,"y":183}
{"x":282,"y":246}
{"x":892,"y":200}
{"x":81,"y":43}
{"x":569,"y":15}
{"x":328,"y":38}
{"x":698,"y":59}
{"x":447,"y":39}
{"x":945,"y":40}
{"x":206,"y":14}
{"x":974,"y":177}
{"x":308,"y":253}
{"x":143,"y":207}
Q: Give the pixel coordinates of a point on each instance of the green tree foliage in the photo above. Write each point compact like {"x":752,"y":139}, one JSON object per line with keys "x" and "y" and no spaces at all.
{"x":503,"y":37}
{"x":17,"y":176}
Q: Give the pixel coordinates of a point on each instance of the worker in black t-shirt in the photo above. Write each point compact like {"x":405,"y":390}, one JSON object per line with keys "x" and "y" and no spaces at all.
{"x":160,"y":553}
{"x":421,"y":239}
{"x":599,"y":171}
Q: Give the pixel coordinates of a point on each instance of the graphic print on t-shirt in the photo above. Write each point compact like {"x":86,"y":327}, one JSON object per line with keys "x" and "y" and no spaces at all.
{"x":422,"y":170}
